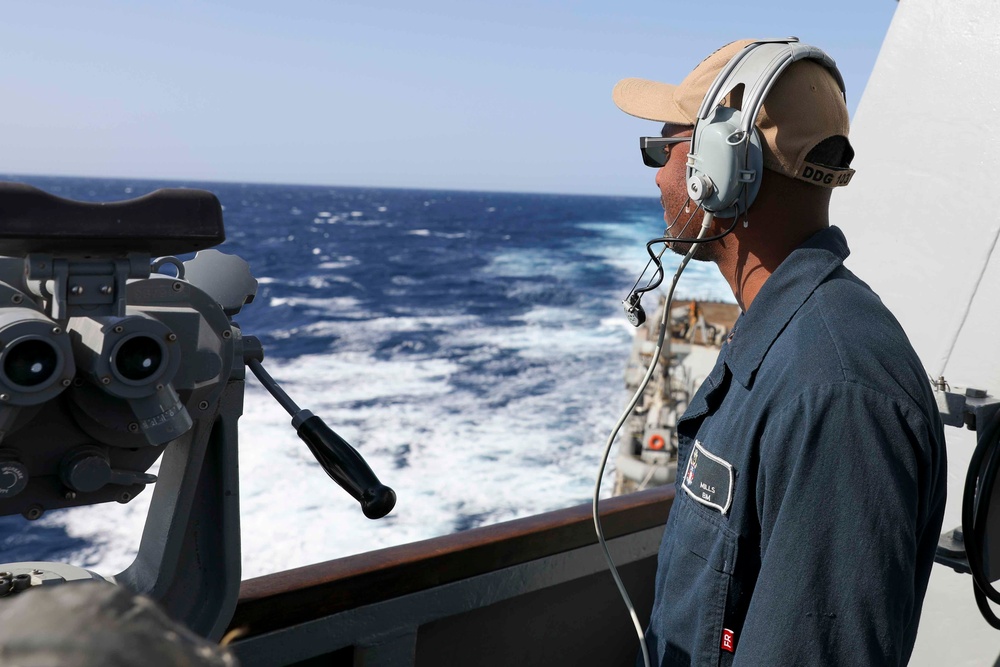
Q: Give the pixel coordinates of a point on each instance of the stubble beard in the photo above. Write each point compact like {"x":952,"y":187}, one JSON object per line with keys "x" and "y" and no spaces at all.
{"x":686,"y":225}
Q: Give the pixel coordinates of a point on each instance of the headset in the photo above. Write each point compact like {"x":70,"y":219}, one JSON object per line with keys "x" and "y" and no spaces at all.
{"x":723,"y":172}
{"x":725,"y":162}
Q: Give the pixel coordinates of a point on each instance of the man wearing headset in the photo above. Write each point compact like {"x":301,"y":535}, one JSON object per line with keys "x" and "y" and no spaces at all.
{"x":811,"y":469}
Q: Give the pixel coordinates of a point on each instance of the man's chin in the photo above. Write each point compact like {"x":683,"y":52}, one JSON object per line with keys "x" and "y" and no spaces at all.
{"x":702,"y":254}
{"x":679,"y":248}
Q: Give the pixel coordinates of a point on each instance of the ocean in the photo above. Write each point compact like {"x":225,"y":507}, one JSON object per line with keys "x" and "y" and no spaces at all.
{"x":470,"y":345}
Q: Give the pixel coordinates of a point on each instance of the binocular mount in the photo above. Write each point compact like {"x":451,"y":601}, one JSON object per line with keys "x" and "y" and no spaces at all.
{"x":109,"y":359}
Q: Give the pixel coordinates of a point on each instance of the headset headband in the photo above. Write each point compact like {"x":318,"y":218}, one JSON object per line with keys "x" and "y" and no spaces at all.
{"x":758,"y":66}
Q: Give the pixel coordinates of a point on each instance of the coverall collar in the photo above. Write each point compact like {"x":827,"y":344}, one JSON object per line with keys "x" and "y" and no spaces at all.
{"x":784,"y":292}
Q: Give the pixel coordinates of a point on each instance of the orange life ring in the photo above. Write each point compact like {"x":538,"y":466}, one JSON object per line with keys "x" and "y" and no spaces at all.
{"x":657,"y":442}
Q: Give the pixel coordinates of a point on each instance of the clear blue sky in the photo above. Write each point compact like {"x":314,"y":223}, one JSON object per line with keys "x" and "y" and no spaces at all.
{"x":510,"y":95}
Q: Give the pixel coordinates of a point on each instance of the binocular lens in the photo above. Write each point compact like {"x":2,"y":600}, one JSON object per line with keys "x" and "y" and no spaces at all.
{"x":138,"y":358}
{"x":30,"y":363}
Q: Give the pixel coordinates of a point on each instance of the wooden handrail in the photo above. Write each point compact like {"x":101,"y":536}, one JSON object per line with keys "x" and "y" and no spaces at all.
{"x":283,"y":599}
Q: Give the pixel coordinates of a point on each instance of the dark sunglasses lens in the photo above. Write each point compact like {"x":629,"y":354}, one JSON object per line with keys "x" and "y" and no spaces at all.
{"x":654,"y":156}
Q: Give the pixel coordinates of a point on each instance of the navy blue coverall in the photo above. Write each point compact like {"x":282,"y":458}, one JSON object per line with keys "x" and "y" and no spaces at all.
{"x":811,"y":483}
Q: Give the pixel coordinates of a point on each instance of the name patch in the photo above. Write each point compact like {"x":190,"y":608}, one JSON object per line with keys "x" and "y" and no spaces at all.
{"x":708,"y":479}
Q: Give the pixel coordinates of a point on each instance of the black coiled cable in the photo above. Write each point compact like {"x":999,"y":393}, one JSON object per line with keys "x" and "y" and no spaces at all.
{"x":975,"y":512}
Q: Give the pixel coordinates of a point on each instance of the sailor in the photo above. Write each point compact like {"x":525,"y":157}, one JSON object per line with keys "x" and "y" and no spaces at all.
{"x":812,"y":478}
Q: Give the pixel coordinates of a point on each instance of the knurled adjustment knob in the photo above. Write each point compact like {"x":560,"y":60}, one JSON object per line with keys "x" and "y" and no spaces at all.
{"x":85,"y":470}
{"x":13,"y":478}
{"x":88,"y":469}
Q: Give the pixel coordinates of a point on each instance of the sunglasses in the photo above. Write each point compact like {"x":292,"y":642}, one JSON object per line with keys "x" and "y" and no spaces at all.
{"x":656,"y":150}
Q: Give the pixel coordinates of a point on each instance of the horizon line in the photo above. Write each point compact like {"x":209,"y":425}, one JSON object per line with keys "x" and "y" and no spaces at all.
{"x":152,"y":179}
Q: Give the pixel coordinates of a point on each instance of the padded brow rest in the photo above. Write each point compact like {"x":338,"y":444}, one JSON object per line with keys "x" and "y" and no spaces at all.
{"x":169,"y":221}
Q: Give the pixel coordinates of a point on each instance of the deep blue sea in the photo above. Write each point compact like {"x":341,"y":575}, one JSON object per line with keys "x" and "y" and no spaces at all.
{"x":471,"y":345}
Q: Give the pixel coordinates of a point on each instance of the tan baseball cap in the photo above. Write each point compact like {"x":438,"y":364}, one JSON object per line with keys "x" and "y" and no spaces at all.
{"x":803,"y":123}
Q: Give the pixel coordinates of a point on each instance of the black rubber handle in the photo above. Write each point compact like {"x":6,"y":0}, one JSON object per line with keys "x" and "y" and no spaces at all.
{"x":346,"y":467}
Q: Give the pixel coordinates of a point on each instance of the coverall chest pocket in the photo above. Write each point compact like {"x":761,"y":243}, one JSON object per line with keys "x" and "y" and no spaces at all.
{"x":699,"y":572}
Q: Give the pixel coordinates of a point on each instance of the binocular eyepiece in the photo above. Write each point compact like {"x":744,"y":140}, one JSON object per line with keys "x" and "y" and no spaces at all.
{"x":36,"y":357}
{"x":134,"y":358}
{"x":29,"y":363}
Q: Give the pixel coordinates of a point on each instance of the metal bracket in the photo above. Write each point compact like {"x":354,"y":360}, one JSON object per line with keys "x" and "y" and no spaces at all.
{"x":189,"y":555}
{"x":966,"y":406}
{"x":82,"y":286}
{"x":962,"y":407}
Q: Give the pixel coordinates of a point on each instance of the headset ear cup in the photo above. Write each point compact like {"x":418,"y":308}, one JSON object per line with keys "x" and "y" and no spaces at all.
{"x":721,"y":159}
{"x":714,"y":161}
